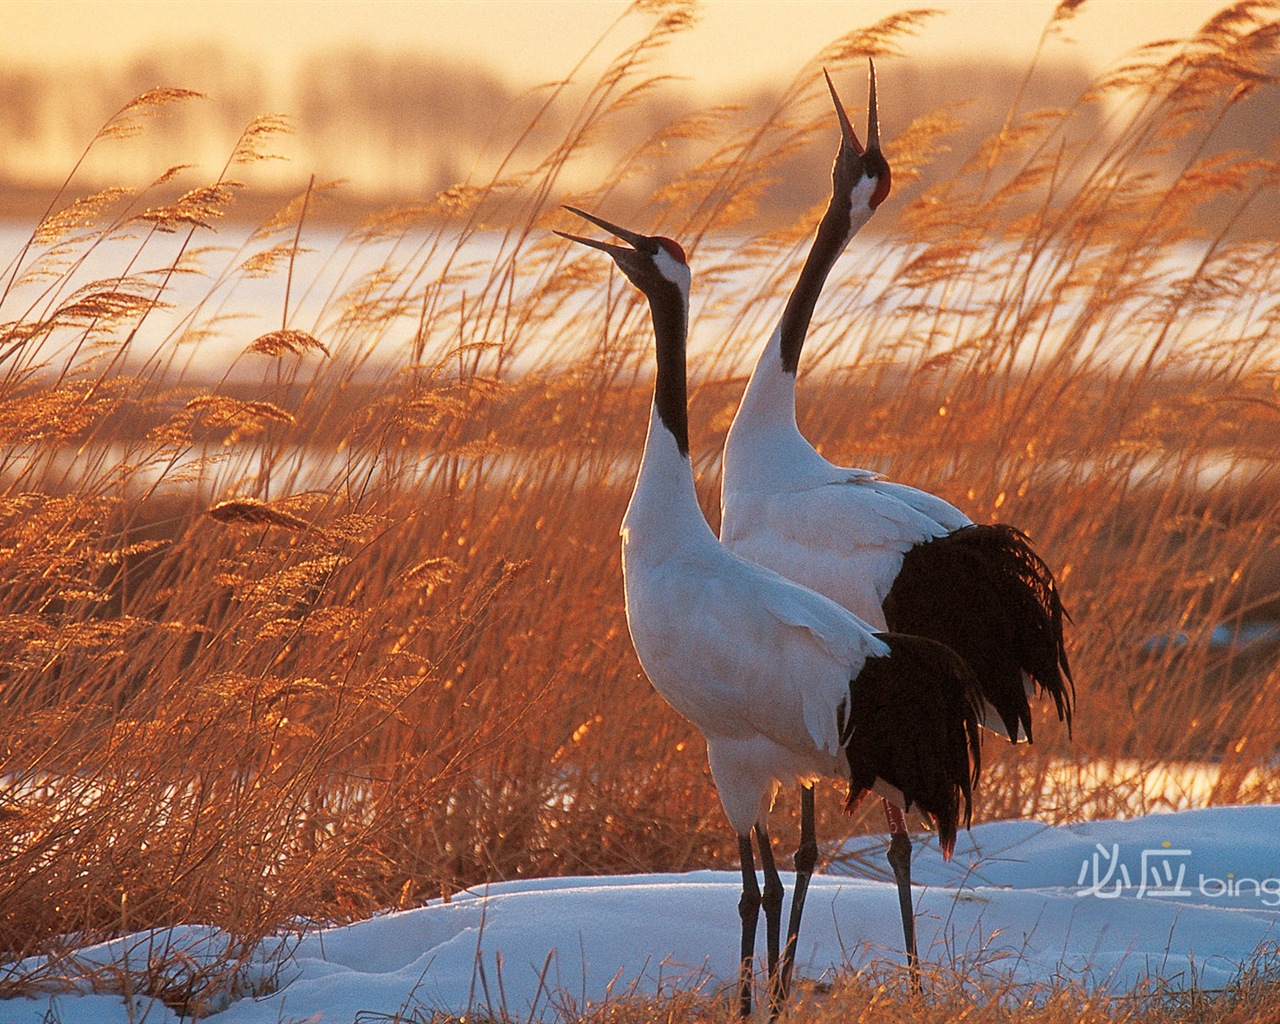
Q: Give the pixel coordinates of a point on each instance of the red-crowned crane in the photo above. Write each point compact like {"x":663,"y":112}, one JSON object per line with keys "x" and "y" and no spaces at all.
{"x":784,"y":684}
{"x":899,"y":558}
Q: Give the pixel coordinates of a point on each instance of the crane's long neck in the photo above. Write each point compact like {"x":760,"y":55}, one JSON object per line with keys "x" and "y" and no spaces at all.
{"x":670,"y":314}
{"x":769,"y":403}
{"x":798,"y":314}
{"x":664,"y":510}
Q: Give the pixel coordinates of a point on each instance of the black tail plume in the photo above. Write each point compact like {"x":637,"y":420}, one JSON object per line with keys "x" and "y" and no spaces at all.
{"x":985,"y":593}
{"x":913,"y":722}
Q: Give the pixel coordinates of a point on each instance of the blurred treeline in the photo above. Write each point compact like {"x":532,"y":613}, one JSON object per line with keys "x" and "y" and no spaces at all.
{"x":396,"y":129}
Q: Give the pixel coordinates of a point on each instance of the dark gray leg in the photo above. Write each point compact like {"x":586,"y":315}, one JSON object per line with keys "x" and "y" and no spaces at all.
{"x":749,"y":911}
{"x":900,"y":861}
{"x":771,"y":900}
{"x":806,"y":858}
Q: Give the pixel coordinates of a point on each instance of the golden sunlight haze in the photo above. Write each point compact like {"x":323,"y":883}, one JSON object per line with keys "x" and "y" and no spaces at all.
{"x":738,"y":42}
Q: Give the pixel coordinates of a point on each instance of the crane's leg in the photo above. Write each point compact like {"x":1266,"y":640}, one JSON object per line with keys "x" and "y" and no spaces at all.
{"x":900,"y":861}
{"x":806,"y":858}
{"x":749,"y":911}
{"x":771,"y":900}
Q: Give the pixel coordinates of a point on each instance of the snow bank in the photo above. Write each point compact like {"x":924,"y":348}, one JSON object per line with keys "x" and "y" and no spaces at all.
{"x":1185,"y":897}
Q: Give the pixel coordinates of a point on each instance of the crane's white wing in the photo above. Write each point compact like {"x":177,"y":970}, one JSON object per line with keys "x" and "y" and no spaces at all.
{"x":946,"y":515}
{"x":742,"y":652}
{"x":844,"y":538}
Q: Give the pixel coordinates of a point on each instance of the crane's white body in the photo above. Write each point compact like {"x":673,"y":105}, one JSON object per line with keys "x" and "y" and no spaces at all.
{"x":784,"y":684}
{"x":840,"y":531}
{"x":847,"y":532}
{"x":759,"y":664}
{"x":843,"y":532}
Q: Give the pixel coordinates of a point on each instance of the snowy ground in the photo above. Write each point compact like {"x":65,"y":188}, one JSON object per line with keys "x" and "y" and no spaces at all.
{"x":1185,"y":897}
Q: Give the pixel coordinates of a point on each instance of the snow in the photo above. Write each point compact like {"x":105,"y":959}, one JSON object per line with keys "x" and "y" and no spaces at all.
{"x":1188,"y":898}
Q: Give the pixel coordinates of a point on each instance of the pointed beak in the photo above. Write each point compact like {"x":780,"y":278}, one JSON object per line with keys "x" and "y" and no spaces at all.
{"x":873,"y":115}
{"x":642,"y":243}
{"x":607,"y":247}
{"x":850,"y":136}
{"x":854,"y":162}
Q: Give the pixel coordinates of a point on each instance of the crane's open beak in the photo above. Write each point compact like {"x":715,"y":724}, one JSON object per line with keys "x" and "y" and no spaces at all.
{"x":641,"y":243}
{"x":873,"y":116}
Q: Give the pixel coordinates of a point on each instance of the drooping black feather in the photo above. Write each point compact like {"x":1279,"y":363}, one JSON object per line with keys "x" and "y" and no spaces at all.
{"x":982,"y":591}
{"x":912,"y":720}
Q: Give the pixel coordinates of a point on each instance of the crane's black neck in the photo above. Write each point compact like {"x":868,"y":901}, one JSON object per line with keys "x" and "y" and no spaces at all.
{"x":833,"y":232}
{"x":670,"y":312}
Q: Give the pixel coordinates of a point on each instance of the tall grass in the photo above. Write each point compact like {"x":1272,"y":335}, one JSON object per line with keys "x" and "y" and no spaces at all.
{"x":311,"y":600}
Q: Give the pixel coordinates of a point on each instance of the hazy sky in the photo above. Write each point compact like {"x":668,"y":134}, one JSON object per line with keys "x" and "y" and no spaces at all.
{"x":737,"y":41}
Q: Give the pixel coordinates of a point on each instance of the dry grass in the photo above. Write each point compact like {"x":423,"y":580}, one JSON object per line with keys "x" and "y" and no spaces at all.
{"x":869,"y":997}
{"x":322,"y":615}
{"x":878,"y":996}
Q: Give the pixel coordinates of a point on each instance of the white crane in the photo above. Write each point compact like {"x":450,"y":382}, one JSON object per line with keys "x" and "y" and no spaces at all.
{"x":784,"y":684}
{"x":899,"y":558}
